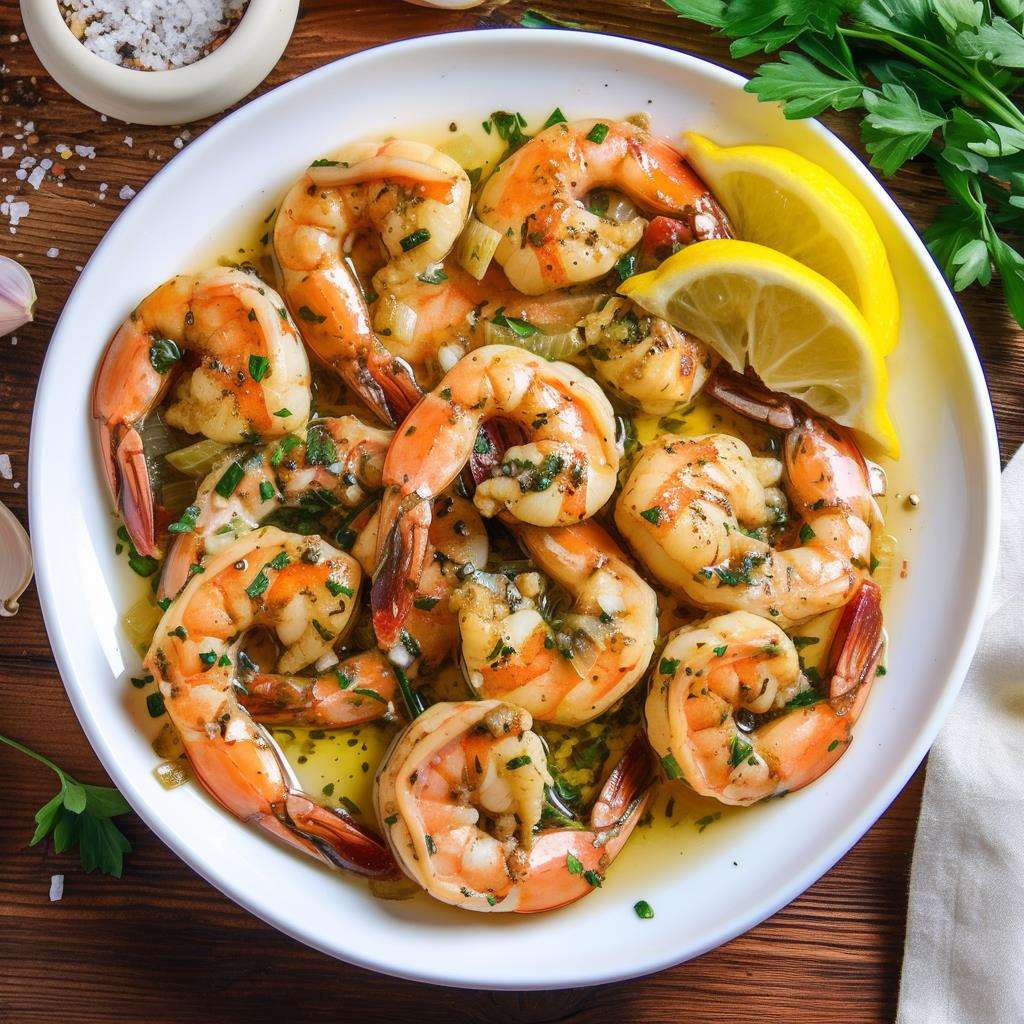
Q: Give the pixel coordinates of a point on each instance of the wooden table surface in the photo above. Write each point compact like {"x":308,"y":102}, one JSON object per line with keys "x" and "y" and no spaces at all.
{"x":162,"y":945}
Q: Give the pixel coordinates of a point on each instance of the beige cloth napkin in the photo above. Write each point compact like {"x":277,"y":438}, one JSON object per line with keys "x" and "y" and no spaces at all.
{"x":964,"y":957}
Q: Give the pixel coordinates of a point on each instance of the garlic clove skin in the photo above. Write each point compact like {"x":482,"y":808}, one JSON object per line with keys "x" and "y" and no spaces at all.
{"x":15,"y":561}
{"x":17,"y":295}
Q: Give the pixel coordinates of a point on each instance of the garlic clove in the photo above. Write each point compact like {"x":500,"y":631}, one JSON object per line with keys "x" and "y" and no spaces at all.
{"x":17,"y":295}
{"x":15,"y":561}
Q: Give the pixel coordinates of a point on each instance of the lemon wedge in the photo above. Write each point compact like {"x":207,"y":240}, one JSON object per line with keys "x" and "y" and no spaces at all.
{"x":794,"y":327}
{"x":780,"y":199}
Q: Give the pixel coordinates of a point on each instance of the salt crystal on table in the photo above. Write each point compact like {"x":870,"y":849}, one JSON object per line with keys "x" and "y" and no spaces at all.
{"x":53,"y":252}
{"x":56,"y":888}
{"x":129,"y":141}
{"x":35,"y":179}
{"x":87,"y":151}
{"x":5,"y":466}
{"x":178,"y":143}
{"x":6,"y":152}
{"x":126,"y":192}
{"x":21,"y":174}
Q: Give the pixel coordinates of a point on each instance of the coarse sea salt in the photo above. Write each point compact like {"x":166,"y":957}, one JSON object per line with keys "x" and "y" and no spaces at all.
{"x":151,"y":34}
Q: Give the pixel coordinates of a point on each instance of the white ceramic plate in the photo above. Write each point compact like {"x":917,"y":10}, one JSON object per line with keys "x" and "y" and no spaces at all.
{"x":760,"y":861}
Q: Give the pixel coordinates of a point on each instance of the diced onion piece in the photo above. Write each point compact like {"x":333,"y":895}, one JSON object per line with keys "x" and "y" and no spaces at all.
{"x":885,"y":549}
{"x":476,"y":247}
{"x":562,"y":345}
{"x":56,"y":888}
{"x":197,"y":459}
{"x":448,"y":356}
{"x":395,"y":320}
{"x":217,"y":541}
{"x":172,"y":774}
{"x":620,"y":209}
{"x":326,"y":661}
{"x":141,"y":620}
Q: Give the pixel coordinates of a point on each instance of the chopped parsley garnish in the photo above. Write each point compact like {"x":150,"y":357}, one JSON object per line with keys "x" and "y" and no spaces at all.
{"x":320,"y":448}
{"x":652,"y":514}
{"x":739,"y":751}
{"x":325,"y":634}
{"x":283,"y":413}
{"x":141,"y":565}
{"x":573,"y":864}
{"x":806,"y":533}
{"x":598,"y":133}
{"x":324,"y":163}
{"x":800,"y":642}
{"x":594,"y":878}
{"x":555,"y":117}
{"x":671,"y":766}
{"x":261,"y":581}
{"x":481,"y":445}
{"x":832,"y":746}
{"x":669,"y":666}
{"x":258,"y":366}
{"x":337,"y":589}
{"x":431,"y":845}
{"x":708,"y":819}
{"x":187,"y":522}
{"x":208,"y":657}
{"x":414,"y":239}
{"x":520,"y":328}
{"x":735,"y":577}
{"x":518,"y":762}
{"x":266,"y":490}
{"x":155,"y":704}
{"x":286,"y":445}
{"x":372,"y":694}
{"x":626,"y":266}
{"x":230,"y":479}
{"x":643,"y":910}
{"x":311,"y":317}
{"x":719,"y":651}
{"x":163,"y":354}
{"x":804,"y":699}
{"x":425,"y":604}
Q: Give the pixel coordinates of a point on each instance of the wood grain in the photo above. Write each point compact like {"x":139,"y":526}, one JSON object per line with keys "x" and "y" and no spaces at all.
{"x":161,"y":944}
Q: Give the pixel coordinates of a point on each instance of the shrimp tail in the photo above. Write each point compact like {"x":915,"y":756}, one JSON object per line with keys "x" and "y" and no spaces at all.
{"x":746,"y":395}
{"x":856,"y":648}
{"x":626,"y":786}
{"x":400,"y":565}
{"x":386,"y":383}
{"x":185,"y":551}
{"x":341,"y":840}
{"x":124,"y":465}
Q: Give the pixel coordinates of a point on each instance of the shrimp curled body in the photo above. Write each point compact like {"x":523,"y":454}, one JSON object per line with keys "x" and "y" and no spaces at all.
{"x":692,"y":510}
{"x":415,"y":200}
{"x":562,"y":473}
{"x":535,"y":201}
{"x":730,"y":713}
{"x":226,"y":342}
{"x":303,"y":591}
{"x":574,"y":670}
{"x":461,"y":792}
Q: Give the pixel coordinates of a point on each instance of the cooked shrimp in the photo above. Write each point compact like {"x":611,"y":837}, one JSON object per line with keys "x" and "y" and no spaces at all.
{"x":695,"y":510}
{"x":461,"y":794}
{"x":562,"y":665}
{"x":339,"y":462}
{"x":563,"y":472}
{"x":457,"y":543}
{"x":414,"y":199}
{"x":303,"y":591}
{"x":245,"y":376}
{"x":730,"y":713}
{"x":358,"y":689}
{"x":645,"y":360}
{"x":534,"y":200}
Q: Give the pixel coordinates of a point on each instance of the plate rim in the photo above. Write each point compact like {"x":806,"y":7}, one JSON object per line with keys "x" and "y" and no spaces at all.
{"x":577,"y":975}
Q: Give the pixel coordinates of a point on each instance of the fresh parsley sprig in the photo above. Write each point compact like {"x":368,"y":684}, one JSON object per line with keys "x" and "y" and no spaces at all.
{"x":81,"y":815}
{"x":939,"y":78}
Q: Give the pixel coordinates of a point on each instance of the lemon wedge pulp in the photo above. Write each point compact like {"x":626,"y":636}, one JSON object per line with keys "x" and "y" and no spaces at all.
{"x":796,"y":329}
{"x":782,"y":200}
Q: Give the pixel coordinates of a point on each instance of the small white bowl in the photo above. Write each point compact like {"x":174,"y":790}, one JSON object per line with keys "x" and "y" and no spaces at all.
{"x":177,"y":96}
